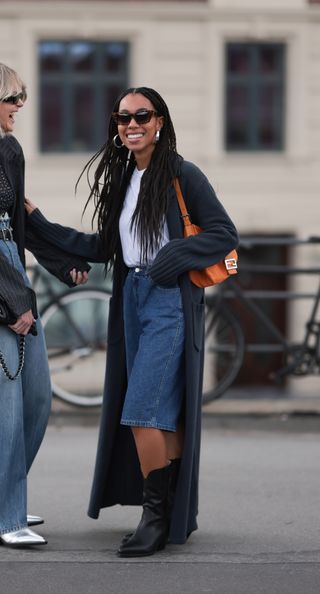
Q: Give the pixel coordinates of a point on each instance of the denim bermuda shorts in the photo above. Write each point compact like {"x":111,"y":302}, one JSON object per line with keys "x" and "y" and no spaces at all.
{"x":154,"y":339}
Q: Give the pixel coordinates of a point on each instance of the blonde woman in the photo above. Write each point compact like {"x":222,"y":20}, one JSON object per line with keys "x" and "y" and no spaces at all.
{"x":24,"y":401}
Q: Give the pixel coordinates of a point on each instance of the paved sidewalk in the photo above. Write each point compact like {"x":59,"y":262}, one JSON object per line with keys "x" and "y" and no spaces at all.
{"x":302,"y":405}
{"x":234,"y":403}
{"x":259,"y":527}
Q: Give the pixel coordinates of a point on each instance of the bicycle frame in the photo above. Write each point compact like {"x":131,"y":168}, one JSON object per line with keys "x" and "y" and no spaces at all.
{"x":304,"y":355}
{"x":38,"y":276}
{"x":306,"y":359}
{"x":75,"y":326}
{"x":244,"y":297}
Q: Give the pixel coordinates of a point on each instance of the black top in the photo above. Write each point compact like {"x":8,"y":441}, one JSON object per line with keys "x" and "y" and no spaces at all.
{"x":6,"y":193}
{"x":55,"y":260}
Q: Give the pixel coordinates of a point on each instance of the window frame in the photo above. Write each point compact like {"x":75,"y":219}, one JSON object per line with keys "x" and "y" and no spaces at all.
{"x":70,"y":81}
{"x":253,"y":81}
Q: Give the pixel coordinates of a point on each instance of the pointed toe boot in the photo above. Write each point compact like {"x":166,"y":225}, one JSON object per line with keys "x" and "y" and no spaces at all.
{"x":34,"y":520}
{"x":152,"y":532}
{"x":172,"y":485}
{"x":21,"y":538}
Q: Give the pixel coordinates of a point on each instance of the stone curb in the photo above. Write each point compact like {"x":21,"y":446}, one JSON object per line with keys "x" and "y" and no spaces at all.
{"x":265,"y":406}
{"x":241,"y":407}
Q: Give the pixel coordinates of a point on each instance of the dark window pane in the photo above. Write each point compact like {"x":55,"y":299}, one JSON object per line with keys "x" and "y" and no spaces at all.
{"x":254,"y":96}
{"x":268,"y":100}
{"x":238,"y":117}
{"x":51,"y":126}
{"x":111,"y":93}
{"x":51,"y":56}
{"x":84,"y":118}
{"x":238,"y":59}
{"x":82,"y":56}
{"x":268,"y":60}
{"x":268,"y":128}
{"x":80,"y":81}
{"x":114,"y":56}
{"x":267,"y":135}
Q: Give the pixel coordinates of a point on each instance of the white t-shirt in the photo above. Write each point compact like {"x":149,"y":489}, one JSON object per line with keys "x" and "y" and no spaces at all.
{"x":131,"y":247}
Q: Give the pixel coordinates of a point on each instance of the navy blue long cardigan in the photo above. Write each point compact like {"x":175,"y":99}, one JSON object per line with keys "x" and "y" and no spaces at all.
{"x":117,"y":477}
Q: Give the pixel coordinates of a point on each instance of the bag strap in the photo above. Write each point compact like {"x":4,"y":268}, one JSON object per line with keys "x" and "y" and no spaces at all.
{"x":231,"y":259}
{"x":4,"y":366}
{"x":184,"y":213}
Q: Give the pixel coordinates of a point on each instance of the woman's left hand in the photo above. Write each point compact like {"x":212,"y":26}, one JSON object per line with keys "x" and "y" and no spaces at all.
{"x":29,"y":206}
{"x":78,"y":277}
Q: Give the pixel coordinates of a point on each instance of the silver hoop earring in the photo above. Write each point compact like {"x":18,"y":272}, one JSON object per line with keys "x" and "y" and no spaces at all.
{"x":114,"y":140}
{"x":157,"y":136}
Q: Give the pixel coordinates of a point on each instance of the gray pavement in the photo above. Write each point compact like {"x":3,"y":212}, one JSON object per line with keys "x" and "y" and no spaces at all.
{"x":259,"y":521}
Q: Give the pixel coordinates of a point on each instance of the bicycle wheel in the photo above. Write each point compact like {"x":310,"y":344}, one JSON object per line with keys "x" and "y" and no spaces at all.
{"x":75,"y":327}
{"x":224,"y":351}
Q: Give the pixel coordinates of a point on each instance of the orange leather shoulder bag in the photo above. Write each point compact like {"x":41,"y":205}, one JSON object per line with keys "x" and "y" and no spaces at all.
{"x":212,"y":275}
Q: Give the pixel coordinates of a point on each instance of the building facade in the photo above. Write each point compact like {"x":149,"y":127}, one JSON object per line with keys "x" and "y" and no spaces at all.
{"x":241,"y":78}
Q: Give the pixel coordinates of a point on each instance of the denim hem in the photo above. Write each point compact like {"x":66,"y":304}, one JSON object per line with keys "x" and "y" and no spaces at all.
{"x":14,"y":529}
{"x":149,"y":425}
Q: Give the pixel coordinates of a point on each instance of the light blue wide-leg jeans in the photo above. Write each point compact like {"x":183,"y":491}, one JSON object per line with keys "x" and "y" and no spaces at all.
{"x":24,"y":411}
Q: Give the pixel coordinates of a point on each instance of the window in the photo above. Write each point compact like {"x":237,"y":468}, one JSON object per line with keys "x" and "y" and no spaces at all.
{"x":79,"y":82}
{"x":254,"y":96}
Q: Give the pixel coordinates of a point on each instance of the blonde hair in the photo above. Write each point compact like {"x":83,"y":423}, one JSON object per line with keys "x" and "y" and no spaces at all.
{"x":10,"y":83}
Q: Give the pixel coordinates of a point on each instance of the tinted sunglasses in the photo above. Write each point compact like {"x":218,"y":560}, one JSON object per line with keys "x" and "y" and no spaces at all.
{"x":15,"y":98}
{"x":143,"y":116}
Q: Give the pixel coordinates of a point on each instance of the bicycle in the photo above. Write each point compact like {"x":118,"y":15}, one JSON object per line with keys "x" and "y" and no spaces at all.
{"x":225,"y":343}
{"x":75,"y":327}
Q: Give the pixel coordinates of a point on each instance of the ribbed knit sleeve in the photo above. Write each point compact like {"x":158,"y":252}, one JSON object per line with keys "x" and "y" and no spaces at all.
{"x":86,"y":245}
{"x":53,"y":259}
{"x":13,"y":289}
{"x":218,"y":237}
{"x":172,"y":260}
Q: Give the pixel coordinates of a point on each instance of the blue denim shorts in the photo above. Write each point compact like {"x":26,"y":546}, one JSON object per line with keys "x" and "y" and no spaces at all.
{"x":154,"y":338}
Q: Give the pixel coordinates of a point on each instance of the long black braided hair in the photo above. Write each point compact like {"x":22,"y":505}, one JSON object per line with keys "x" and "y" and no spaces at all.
{"x":112,"y":176}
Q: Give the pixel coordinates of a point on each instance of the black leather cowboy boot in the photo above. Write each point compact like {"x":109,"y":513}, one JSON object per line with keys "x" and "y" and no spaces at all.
{"x":152,"y":532}
{"x":174,"y":468}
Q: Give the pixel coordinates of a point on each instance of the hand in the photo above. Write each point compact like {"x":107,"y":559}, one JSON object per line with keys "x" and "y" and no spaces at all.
{"x":29,"y":206}
{"x":78,"y":277}
{"x":23,"y":323}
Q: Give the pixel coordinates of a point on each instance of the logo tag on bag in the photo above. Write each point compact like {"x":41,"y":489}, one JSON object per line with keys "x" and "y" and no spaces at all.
{"x":231,"y":265}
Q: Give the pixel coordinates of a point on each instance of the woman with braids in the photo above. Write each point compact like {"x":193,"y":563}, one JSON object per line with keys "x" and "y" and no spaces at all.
{"x":148,"y":451}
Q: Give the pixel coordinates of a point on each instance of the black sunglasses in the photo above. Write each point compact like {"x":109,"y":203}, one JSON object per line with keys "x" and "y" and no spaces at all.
{"x":143,"y":116}
{"x":15,"y":98}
